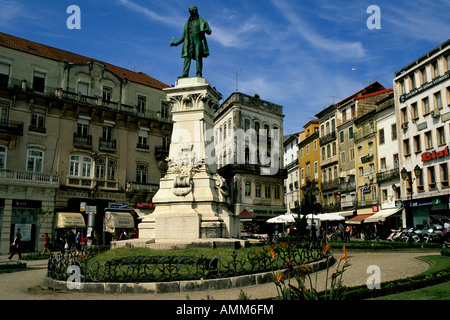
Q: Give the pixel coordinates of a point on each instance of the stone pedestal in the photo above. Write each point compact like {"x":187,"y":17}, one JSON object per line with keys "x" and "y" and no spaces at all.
{"x":192,"y":202}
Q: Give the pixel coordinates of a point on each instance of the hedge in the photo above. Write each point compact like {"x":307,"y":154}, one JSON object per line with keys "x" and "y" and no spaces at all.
{"x":378,"y":245}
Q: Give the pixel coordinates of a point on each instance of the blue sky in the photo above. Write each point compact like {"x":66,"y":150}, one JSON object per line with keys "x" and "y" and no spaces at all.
{"x":303,"y":55}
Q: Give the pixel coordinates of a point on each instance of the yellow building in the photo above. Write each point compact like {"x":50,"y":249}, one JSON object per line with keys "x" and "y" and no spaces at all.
{"x":309,"y":161}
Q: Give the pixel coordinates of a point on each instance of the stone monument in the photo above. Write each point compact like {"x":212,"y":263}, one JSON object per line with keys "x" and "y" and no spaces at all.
{"x":192,"y":202}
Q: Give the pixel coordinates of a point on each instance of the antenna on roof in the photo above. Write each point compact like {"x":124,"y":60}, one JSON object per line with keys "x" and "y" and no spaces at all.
{"x":333,"y":98}
{"x":370,"y":80}
{"x":237,"y":71}
{"x":136,"y":66}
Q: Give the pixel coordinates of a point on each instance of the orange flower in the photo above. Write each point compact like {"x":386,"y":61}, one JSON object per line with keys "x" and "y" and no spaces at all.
{"x":326,"y":248}
{"x":344,"y":256}
{"x":279,"y":277}
{"x":272,"y":254}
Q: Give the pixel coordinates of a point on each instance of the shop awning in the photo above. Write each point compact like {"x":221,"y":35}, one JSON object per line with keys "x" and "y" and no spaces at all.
{"x":118,"y":220}
{"x":345,"y":213}
{"x":382,"y":215}
{"x":245,"y":214}
{"x":358,"y":219}
{"x":69,"y":220}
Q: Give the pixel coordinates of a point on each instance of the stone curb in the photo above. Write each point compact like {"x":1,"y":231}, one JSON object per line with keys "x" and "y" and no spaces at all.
{"x":177,"y":286}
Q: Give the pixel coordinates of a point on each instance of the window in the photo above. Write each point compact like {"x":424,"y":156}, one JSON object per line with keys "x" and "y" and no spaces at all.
{"x":395,"y":160}
{"x":428,"y":140}
{"x":248,"y":188}
{"x":323,"y":153}
{"x":404,"y":115}
{"x":417,"y":146}
{"x":423,"y":74}
{"x":328,"y":128}
{"x":372,"y":167}
{"x":35,"y":160}
{"x":277,"y":192}
{"x":83,"y":128}
{"x":425,"y":106}
{"x":105,"y":169}
{"x":435,"y":68}
{"x":419,"y":180}
{"x":164,"y":110}
{"x":307,"y":149}
{"x":141,"y":173}
{"x":143,"y":140}
{"x":360,"y":151}
{"x":402,"y":87}
{"x":141,"y":104}
{"x":107,"y":94}
{"x":384,"y":195}
{"x":83,"y":88}
{"x":443,"y":167}
{"x":341,"y":136}
{"x":350,"y":133}
{"x":267,"y":191}
{"x":447,"y":61}
{"x":4,"y":75}
{"x":344,"y":115}
{"x":301,"y":153}
{"x":394,"y":132}
{"x":334,"y":149}
{"x":381,"y":136}
{"x":412,"y":81}
{"x":315,"y":144}
{"x":37,"y":122}
{"x":80,"y":166}
{"x":406,"y":147}
{"x":383,"y":163}
{"x":352,"y":154}
{"x":258,"y":189}
{"x":440,"y":136}
{"x":3,"y":157}
{"x":414,"y":111}
{"x":370,"y":144}
{"x":431,"y":177}
{"x":437,"y":100}
{"x":302,"y":175}
{"x":39,"y":81}
{"x":328,"y":151}
{"x":107,"y":134}
{"x":342,"y":157}
{"x":361,"y":171}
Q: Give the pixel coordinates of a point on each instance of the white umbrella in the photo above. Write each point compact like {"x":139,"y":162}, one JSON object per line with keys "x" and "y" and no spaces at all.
{"x":277,"y":219}
{"x":327,"y":217}
{"x":291,"y":217}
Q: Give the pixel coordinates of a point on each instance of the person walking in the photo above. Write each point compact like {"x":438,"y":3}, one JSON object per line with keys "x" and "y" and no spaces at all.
{"x":46,"y":244}
{"x":15,"y":246}
{"x":78,"y":242}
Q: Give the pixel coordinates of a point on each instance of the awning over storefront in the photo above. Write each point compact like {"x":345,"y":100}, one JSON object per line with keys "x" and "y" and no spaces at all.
{"x":345,"y":213}
{"x":69,"y":220}
{"x":382,"y":215}
{"x":118,"y":220}
{"x":245,"y":214}
{"x":358,"y":219}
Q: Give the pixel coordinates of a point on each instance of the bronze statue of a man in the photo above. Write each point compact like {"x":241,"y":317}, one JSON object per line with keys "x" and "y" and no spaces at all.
{"x":194,"y":42}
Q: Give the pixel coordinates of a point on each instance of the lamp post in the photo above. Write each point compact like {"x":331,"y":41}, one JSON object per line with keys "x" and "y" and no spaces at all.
{"x":405,"y":176}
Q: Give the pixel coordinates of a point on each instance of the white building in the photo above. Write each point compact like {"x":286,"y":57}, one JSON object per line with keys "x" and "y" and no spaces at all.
{"x":422,"y":105}
{"x":291,"y":185}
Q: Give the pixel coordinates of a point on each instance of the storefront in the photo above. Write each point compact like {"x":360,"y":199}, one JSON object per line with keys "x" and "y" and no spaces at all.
{"x":116,"y":222}
{"x":25,"y":220}
{"x":428,"y":211}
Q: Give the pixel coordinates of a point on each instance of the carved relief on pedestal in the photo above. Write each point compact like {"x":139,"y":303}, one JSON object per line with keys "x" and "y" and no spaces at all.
{"x":184,"y":170}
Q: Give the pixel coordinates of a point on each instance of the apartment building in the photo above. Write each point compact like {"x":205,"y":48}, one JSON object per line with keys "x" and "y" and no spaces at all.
{"x":74,"y":132}
{"x":309,"y":164}
{"x":422,"y":104}
{"x":291,"y":185}
{"x":249,"y":149}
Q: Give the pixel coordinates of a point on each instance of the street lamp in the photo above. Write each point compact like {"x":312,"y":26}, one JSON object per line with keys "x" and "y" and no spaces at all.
{"x":405,"y":176}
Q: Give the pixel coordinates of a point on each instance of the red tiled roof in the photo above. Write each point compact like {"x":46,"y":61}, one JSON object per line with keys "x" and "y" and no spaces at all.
{"x":373,"y":87}
{"x":42,"y":50}
{"x":374,"y":94}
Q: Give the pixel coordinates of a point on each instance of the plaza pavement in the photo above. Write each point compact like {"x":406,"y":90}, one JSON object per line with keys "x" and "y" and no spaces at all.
{"x":28,"y":285}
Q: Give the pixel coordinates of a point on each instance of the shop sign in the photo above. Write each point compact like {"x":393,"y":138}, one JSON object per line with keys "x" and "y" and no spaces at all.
{"x":145,"y":205}
{"x":424,"y":87}
{"x":375,"y":208}
{"x":118,"y":205}
{"x":426,"y":156}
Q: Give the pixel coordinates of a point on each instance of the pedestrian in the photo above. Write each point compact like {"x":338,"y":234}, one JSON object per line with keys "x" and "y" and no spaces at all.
{"x":78,"y":242}
{"x":15,"y":246}
{"x":123,"y":235}
{"x":84,"y":243}
{"x":46,"y":244}
{"x":347,"y":232}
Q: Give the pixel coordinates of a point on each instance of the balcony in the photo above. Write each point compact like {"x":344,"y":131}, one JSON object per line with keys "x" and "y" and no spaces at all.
{"x":11,"y":127}
{"x":107,"y":145}
{"x":292,"y":164}
{"x":364,"y":133}
{"x":232,"y":169}
{"x":161,"y":152}
{"x":82,"y":141}
{"x":327,"y":138}
{"x":333,"y":184}
{"x":19,"y":177}
{"x":142,"y":146}
{"x":387,"y":175}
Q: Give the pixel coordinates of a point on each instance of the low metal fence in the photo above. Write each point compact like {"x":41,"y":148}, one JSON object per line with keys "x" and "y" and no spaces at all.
{"x":178,"y":268}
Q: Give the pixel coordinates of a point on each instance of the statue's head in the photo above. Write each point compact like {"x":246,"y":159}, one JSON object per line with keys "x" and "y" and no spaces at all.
{"x":193,"y":11}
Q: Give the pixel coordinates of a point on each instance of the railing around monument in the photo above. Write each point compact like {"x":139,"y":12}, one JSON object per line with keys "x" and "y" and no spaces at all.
{"x":177,"y":268}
